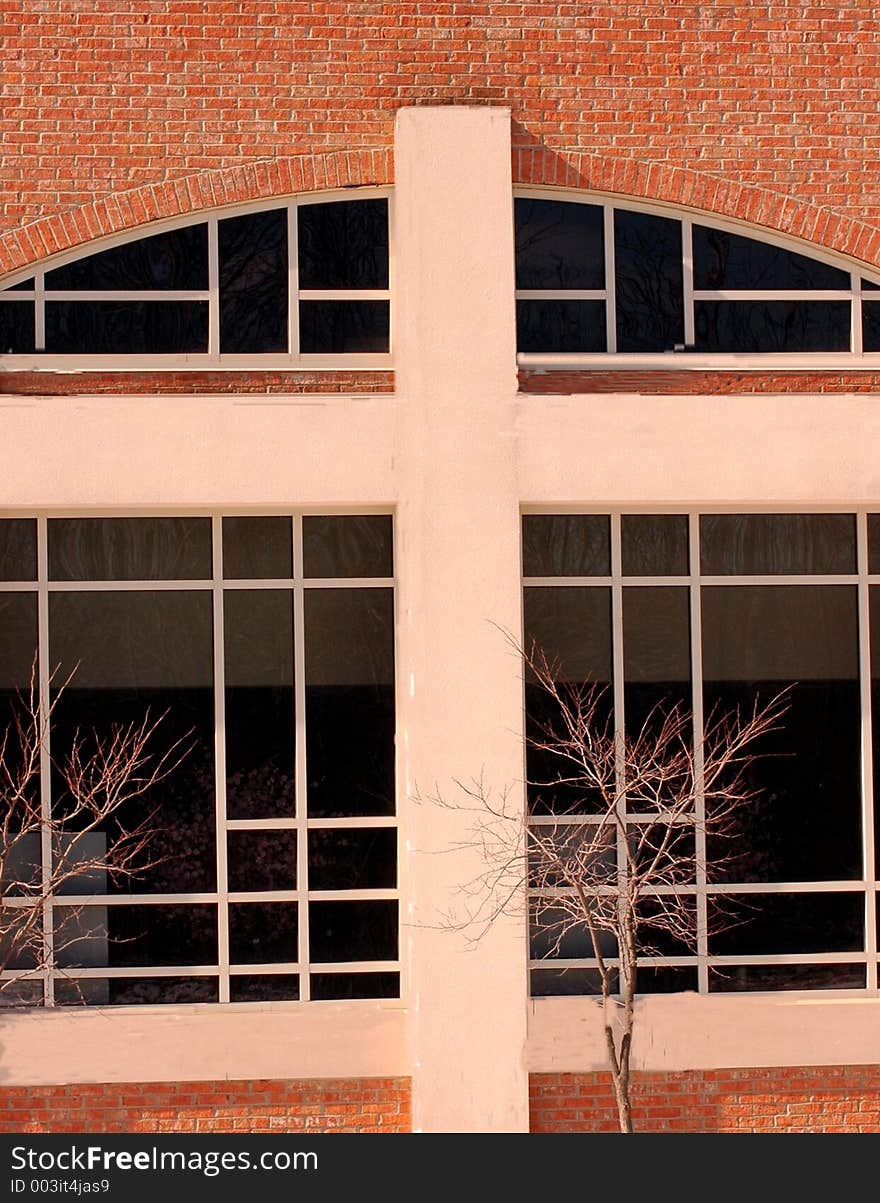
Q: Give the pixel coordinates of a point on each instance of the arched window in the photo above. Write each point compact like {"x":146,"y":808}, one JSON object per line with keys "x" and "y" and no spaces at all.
{"x":596,"y":276}
{"x":302,"y":283}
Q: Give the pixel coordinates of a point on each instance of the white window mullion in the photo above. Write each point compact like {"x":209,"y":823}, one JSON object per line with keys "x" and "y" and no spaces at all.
{"x":39,"y":312}
{"x":220,"y":758}
{"x":856,"y":343}
{"x":867,"y":750}
{"x":698,"y":721}
{"x":687,"y":248}
{"x":44,"y":686}
{"x":300,"y":773}
{"x":617,"y":671}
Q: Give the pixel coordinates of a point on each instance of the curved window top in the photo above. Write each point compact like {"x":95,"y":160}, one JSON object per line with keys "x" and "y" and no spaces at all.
{"x":302,"y":283}
{"x":595,"y":277}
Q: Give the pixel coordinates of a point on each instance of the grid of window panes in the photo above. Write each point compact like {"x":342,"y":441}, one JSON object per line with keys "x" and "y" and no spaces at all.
{"x":300,"y":280}
{"x":266,"y":642}
{"x":597,"y":277}
{"x":717,"y":612}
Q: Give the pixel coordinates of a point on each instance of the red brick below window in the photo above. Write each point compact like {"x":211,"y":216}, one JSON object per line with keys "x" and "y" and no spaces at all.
{"x":63,"y":384}
{"x":674,"y":382}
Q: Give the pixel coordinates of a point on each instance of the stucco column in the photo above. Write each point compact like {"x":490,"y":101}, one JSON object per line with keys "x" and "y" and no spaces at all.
{"x":458,"y":566}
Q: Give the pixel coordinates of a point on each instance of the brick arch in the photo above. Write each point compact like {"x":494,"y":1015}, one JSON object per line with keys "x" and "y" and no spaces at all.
{"x":751,"y":203}
{"x":124,"y":211}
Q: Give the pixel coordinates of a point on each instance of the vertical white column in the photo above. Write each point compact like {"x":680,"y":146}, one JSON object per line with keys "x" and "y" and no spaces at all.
{"x":460,"y":692}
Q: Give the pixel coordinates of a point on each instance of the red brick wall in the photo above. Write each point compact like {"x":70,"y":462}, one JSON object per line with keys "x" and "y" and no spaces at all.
{"x":55,"y":384}
{"x":839,"y":1098}
{"x":332,"y":1105}
{"x":709,"y":383}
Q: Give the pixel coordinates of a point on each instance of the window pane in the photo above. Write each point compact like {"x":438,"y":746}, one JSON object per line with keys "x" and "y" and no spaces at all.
{"x":175,"y":259}
{"x":757,"y":326}
{"x":253,"y":282}
{"x":18,"y":648}
{"x":257,"y":548}
{"x":648,"y":272}
{"x":654,"y":544}
{"x":345,"y":859}
{"x":548,"y":982}
{"x":261,"y":860}
{"x":777,"y":544}
{"x":26,"y":993}
{"x":18,"y":549}
{"x":874,"y":542}
{"x":343,"y":244}
{"x":779,"y":924}
{"x":723,"y":260}
{"x":349,"y":640}
{"x":559,"y":244}
{"x":17,"y":327}
{"x":560,"y":326}
{"x":663,"y":979}
{"x":135,"y":991}
{"x":757,"y":640}
{"x":566,"y":545}
{"x":260,"y":725}
{"x":129,"y":549}
{"x":343,"y":327}
{"x":354,"y":985}
{"x":267,"y":987}
{"x":874,"y":604}
{"x":262,"y":932}
{"x":352,"y":931}
{"x":351,"y":546}
{"x":869,"y":285}
{"x":117,"y":936}
{"x":656,"y":655}
{"x":28,"y":286}
{"x":126,"y":327}
{"x":733,"y":978}
{"x":870,"y":325}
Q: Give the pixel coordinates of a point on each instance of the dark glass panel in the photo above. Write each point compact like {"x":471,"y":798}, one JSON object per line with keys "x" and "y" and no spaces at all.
{"x":269,"y":987}
{"x":805,"y":823}
{"x":665,"y":979}
{"x":566,"y":545}
{"x":549,"y":982}
{"x":654,"y":544}
{"x":870,"y":325}
{"x":777,"y":544}
{"x":260,"y":724}
{"x":571,"y":627}
{"x":262,"y":932}
{"x":869,"y":286}
{"x":757,"y":326}
{"x":654,"y":935}
{"x":136,"y":654}
{"x":345,"y":859}
{"x":129,"y":549}
{"x":261,"y":860}
{"x":343,"y":327}
{"x":648,"y":273}
{"x":121,"y":936}
{"x":874,"y":543}
{"x":558,"y":244}
{"x":349,"y":640}
{"x":18,"y":549}
{"x":723,"y":260}
{"x":21,"y":868}
{"x":17,"y":328}
{"x":175,"y":259}
{"x":21,"y":944}
{"x":356,"y":545}
{"x":253,"y":282}
{"x":135,"y":991}
{"x":874,"y":606}
{"x":22,"y":286}
{"x":126,"y":327}
{"x":26,"y":993}
{"x":735,"y":978}
{"x":343,"y":244}
{"x":561,"y":326}
{"x":780,"y":924}
{"x":352,"y":931}
{"x":555,"y":935}
{"x":18,"y":663}
{"x":257,"y":549}
{"x":656,"y":656}
{"x":325,"y":986}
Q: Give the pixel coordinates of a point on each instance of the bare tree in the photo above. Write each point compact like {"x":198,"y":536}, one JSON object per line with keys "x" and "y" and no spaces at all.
{"x":615,"y":837}
{"x":86,"y":836}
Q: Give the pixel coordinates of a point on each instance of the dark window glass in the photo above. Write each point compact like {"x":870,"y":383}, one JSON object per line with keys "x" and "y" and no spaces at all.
{"x":560,"y":326}
{"x":21,"y":869}
{"x":665,"y":979}
{"x":874,"y":542}
{"x":134,"y":991}
{"x":654,"y":544}
{"x":345,"y":859}
{"x":566,"y":545}
{"x":17,"y":327}
{"x":777,"y":544}
{"x":262,"y":932}
{"x":758,"y":640}
{"x":723,"y":260}
{"x":343,"y":327}
{"x":260,"y":725}
{"x":126,"y":327}
{"x":18,"y":663}
{"x":254,"y":987}
{"x":20,"y":944}
{"x":559,"y":244}
{"x":175,"y":259}
{"x":253,"y":282}
{"x":548,"y":982}
{"x":734,"y":978}
{"x":349,"y":641}
{"x":18,"y":649}
{"x":348,"y":546}
{"x":656,"y":655}
{"x":648,"y":274}
{"x":874,"y":605}
{"x":26,"y":993}
{"x":870,"y":325}
{"x":343,"y":244}
{"x":653,"y":937}
{"x":756,"y":326}
{"x":261,"y":860}
{"x":18,"y":549}
{"x":779,"y":924}
{"x":869,"y":286}
{"x":22,"y":286}
{"x":352,"y":931}
{"x":256,"y":548}
{"x":554,"y":935}
{"x":131,"y":655}
{"x":354,"y":985}
{"x":121,"y":936}
{"x":129,"y":549}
